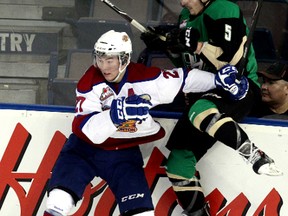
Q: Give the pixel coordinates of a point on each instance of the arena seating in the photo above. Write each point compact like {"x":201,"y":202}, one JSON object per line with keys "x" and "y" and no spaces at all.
{"x":26,"y":42}
{"x":62,"y":26}
{"x":265,"y":53}
{"x":61,"y":90}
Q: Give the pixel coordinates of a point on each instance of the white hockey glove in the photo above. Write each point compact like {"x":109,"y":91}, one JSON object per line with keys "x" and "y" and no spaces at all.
{"x":135,"y":107}
{"x":226,"y":79}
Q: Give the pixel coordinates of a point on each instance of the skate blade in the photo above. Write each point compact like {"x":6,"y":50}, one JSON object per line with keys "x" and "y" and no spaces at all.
{"x":270,"y":170}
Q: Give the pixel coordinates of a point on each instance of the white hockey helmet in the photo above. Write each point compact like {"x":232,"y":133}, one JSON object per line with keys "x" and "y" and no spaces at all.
{"x":114,"y":43}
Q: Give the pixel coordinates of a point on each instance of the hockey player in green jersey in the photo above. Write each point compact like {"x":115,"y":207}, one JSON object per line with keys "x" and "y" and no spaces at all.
{"x":211,"y":34}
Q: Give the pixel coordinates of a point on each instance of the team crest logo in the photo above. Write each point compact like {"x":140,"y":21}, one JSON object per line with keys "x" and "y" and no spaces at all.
{"x":128,"y":126}
{"x":106,"y":93}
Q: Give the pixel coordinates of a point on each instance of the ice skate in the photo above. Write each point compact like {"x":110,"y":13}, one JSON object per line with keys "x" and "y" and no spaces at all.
{"x":261,"y":163}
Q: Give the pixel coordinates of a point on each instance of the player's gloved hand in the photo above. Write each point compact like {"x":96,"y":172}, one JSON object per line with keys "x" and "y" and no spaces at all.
{"x":135,"y":107}
{"x":226,"y":79}
{"x":152,"y":38}
{"x":173,"y":43}
{"x":185,"y":39}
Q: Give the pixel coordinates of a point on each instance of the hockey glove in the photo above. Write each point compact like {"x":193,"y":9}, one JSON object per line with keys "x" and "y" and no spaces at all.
{"x":226,"y":79}
{"x":181,"y":40}
{"x":134,"y":107}
{"x":152,"y":40}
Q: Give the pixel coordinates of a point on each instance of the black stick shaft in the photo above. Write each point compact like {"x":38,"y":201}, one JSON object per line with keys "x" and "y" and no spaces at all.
{"x":125,"y":16}
{"x":243,"y":61}
{"x":132,"y":21}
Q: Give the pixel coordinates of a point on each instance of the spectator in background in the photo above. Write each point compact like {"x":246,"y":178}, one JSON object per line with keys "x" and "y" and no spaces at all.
{"x":274,"y":92}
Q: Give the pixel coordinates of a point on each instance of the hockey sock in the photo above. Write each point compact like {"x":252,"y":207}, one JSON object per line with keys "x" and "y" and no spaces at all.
{"x":228,"y":131}
{"x":189,"y":192}
{"x":224,"y":129}
{"x":205,"y":211}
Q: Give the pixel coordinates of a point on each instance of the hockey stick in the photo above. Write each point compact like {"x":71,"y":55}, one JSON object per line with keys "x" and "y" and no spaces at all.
{"x":243,"y":60}
{"x":132,"y":21}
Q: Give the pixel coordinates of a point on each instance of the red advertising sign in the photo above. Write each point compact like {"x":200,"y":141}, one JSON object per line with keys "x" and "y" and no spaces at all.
{"x":23,"y":191}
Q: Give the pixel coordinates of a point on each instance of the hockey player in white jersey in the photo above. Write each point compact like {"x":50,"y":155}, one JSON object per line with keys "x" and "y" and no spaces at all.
{"x":112,"y":119}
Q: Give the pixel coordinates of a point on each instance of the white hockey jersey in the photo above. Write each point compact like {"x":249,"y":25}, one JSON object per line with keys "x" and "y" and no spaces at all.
{"x":92,"y":121}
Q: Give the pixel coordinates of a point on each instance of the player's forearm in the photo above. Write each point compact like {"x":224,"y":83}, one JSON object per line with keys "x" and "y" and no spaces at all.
{"x":199,"y":81}
{"x":99,"y":127}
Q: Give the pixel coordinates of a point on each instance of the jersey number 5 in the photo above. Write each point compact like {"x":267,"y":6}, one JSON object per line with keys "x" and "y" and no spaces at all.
{"x":228,"y":30}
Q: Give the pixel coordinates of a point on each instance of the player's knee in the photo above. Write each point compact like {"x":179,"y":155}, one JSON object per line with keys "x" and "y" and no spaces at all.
{"x":59,"y":203}
{"x":210,"y":121}
{"x":200,"y":111}
{"x":181,"y":163}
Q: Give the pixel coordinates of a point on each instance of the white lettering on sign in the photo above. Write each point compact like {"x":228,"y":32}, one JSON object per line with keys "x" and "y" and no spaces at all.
{"x":16,"y":40}
{"x":3,"y":37}
{"x":29,"y":41}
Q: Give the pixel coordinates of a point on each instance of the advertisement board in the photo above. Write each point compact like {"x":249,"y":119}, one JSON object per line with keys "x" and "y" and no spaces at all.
{"x":31,"y":139}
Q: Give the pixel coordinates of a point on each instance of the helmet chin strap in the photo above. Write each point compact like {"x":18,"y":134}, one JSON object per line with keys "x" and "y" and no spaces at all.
{"x":121,"y":71}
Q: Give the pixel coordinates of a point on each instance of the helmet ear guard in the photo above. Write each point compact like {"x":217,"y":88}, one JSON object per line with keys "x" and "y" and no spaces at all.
{"x":125,"y":58}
